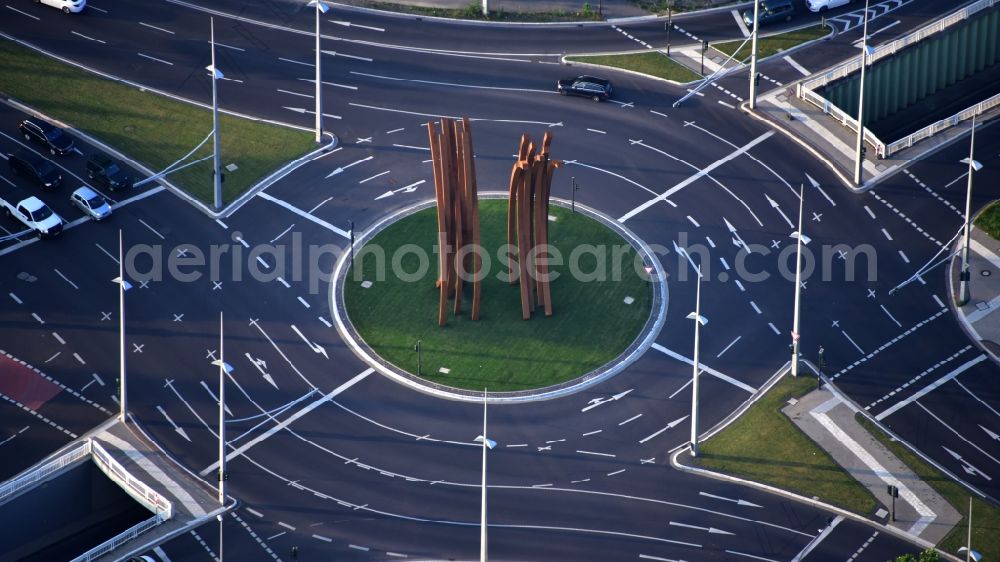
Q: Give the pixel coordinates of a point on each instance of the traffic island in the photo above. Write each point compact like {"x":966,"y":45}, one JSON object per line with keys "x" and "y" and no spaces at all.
{"x":606,"y":309}
{"x":763,"y":445}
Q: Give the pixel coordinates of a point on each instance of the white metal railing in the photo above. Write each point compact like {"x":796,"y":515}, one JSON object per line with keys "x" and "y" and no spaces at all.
{"x":937,"y":127}
{"x":113,"y":543}
{"x":133,"y":486}
{"x":71,"y":456}
{"x":805,"y":90}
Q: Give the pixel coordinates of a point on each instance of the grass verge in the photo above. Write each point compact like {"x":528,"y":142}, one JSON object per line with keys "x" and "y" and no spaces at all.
{"x":653,"y":64}
{"x":985,"y":517}
{"x":474,"y":11}
{"x":660,"y":7}
{"x":767,"y":46}
{"x":152,"y":129}
{"x":763,"y":445}
{"x":989,"y":220}
{"x":590,"y":324}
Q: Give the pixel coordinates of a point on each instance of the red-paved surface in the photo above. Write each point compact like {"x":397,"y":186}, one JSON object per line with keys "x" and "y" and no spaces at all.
{"x":19,"y":382}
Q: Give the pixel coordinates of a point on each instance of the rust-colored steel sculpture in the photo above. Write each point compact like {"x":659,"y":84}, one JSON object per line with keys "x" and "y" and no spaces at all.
{"x":527,"y":219}
{"x":457,"y":213}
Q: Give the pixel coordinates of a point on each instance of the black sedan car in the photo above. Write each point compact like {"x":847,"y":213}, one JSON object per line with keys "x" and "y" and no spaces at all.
{"x":107,"y":173}
{"x":36,"y":168}
{"x":49,"y":135}
{"x":591,"y":87}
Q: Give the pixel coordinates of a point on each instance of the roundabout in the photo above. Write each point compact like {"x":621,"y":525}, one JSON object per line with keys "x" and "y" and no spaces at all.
{"x":608,"y":306}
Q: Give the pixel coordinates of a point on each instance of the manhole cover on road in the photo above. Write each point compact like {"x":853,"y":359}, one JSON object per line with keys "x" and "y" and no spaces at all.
{"x":986,"y":273}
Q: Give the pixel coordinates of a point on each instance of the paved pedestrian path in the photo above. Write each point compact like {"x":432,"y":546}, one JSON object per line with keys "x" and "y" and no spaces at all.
{"x":829,"y":422}
{"x":609,"y":9}
{"x":982,"y":312}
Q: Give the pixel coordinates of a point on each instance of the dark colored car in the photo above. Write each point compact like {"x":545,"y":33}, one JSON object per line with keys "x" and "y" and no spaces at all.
{"x":107,"y":173}
{"x":770,"y":11}
{"x":34,"y":166}
{"x":49,"y":135}
{"x":596,"y":89}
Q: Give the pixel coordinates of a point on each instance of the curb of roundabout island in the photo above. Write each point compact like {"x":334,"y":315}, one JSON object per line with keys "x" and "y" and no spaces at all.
{"x":633,"y":352}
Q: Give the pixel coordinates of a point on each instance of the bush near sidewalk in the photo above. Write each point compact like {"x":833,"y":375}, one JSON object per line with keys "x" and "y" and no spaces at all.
{"x":985,"y":516}
{"x":152,"y":129}
{"x":989,"y":220}
{"x":765,"y":446}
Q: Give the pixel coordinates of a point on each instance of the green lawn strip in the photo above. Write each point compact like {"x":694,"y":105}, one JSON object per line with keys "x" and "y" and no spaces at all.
{"x":767,"y":46}
{"x":590,"y":324}
{"x":985,"y":517}
{"x":474,"y":11}
{"x":653,"y":64}
{"x":660,"y":7}
{"x":152,"y":129}
{"x":989,"y":220}
{"x":764,"y":446}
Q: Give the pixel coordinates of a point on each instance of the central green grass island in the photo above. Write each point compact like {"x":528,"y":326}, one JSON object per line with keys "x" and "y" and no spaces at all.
{"x":602,"y":300}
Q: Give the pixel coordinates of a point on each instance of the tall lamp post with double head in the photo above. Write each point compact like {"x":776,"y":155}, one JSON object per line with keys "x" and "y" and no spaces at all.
{"x":974,"y":166}
{"x":699,"y":321}
{"x":321,"y":8}
{"x":753,"y":57}
{"x":487,"y":445}
{"x":866,"y":51}
{"x":800,"y":239}
{"x":224,"y":370}
{"x":123,"y":285}
{"x":216,"y":76}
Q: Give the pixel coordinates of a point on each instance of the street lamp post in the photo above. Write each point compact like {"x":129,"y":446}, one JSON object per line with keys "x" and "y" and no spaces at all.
{"x":668,"y":25}
{"x":699,"y":321}
{"x":866,"y":52}
{"x":123,"y":286}
{"x":487,"y":444}
{"x":800,"y":239}
{"x":970,"y":555}
{"x":573,"y":190}
{"x":216,"y":172}
{"x":974,"y":166}
{"x":753,"y":57}
{"x":224,"y":370}
{"x":321,"y":9}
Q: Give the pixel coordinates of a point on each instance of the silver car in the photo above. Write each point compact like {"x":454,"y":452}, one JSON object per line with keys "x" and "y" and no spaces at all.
{"x":91,"y":203}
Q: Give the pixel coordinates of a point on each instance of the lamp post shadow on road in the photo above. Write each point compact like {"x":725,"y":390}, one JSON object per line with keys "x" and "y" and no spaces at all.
{"x":859,"y":155}
{"x":699,"y":321}
{"x":974,"y":166}
{"x":123,"y":285}
{"x":488,"y":444}
{"x":321,"y":8}
{"x":800,"y":239}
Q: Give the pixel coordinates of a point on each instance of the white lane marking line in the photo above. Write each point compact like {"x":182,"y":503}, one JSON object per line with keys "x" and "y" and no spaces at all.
{"x":144,"y":223}
{"x":870,"y":213}
{"x":326,"y":322}
{"x":660,"y":114}
{"x":670,"y":425}
{"x":938,"y":301}
{"x":887,"y":236}
{"x":819,"y":412}
{"x":927,"y":389}
{"x":755,"y":308}
{"x":705,"y":368}
{"x":904,"y":257}
{"x":394,"y":131}
{"x":346,"y":56}
{"x":356,"y":547}
{"x":66,"y":279}
{"x":701,"y":173}
{"x":304,"y":303}
{"x":694,"y":222}
{"x":322,"y":538}
{"x":217,"y":44}
{"x":163,"y":555}
{"x":303,"y":214}
{"x":856,"y":346}
{"x":333,"y":84}
{"x":156,"y":28}
{"x":98,"y":379}
{"x":36,"y":18}
{"x":375,"y":176}
{"x":58,"y":338}
{"x":739,"y":21}
{"x":291,"y":419}
{"x":349,"y":24}
{"x":16,"y":299}
{"x":37,"y":415}
{"x":914,"y":380}
{"x":222,"y":224}
{"x":774,"y":328}
{"x":286,"y":525}
{"x":155,"y":59}
{"x":93,"y":7}
{"x":413,"y":147}
{"x":596,"y":431}
{"x":731,"y":344}
{"x":37,"y":317}
{"x":297,"y":62}
{"x":596,"y":454}
{"x":263,"y":262}
{"x":88,"y":38}
{"x":616,"y":472}
{"x":889,"y":314}
{"x":796,"y":65}
{"x":633,"y":418}
{"x":295,"y":93}
{"x":727,"y":104}
{"x":755,"y":557}
{"x":598,"y":131}
{"x":255,"y":512}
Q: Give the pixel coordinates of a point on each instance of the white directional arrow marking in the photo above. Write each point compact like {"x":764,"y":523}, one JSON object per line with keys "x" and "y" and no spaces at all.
{"x":598,"y":401}
{"x":314,"y":346}
{"x":774,"y":204}
{"x":349,"y":24}
{"x":670,"y":425}
{"x":171,"y":422}
{"x":966,"y":465}
{"x":820,"y":189}
{"x":993,"y":435}
{"x":737,"y":502}
{"x":732,"y":230}
{"x":408,"y":189}
{"x":339,"y":170}
{"x":262,"y":366}
{"x":711,"y":530}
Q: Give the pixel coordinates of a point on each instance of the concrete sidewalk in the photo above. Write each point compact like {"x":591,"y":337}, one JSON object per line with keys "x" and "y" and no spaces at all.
{"x":829,"y":422}
{"x":610,"y":9}
{"x":981,"y":312}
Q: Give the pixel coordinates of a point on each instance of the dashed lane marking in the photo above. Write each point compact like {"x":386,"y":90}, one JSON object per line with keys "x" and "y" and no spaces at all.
{"x":889,"y":343}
